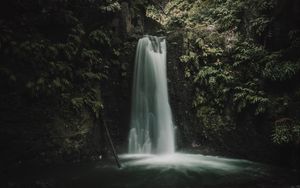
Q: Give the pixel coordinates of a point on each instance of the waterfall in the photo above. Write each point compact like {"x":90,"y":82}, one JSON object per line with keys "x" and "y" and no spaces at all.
{"x":151,"y":117}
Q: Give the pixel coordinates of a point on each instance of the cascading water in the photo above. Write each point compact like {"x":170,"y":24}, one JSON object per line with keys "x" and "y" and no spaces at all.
{"x":151,"y":118}
{"x":152,"y":133}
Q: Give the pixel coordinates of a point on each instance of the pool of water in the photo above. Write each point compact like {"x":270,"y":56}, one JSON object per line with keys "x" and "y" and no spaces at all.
{"x":177,"y":170}
{"x":155,"y":171}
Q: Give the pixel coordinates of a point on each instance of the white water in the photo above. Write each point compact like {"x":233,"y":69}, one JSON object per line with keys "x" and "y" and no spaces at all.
{"x":181,"y":170}
{"x":151,"y":118}
{"x":189,"y":162}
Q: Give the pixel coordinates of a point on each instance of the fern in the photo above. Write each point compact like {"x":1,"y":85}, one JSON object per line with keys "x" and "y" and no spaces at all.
{"x":245,"y":96}
{"x":282,"y":71}
{"x":286,"y":131}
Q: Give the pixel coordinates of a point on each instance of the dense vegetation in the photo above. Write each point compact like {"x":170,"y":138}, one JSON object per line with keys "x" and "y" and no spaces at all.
{"x":55,"y":57}
{"x":243,"y":61}
{"x":63,"y":64}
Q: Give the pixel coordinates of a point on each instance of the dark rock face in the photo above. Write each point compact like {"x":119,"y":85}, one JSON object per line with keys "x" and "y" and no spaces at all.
{"x":180,"y":91}
{"x":116,"y":92}
{"x":128,"y":21}
{"x":126,"y":18}
{"x":286,"y":19}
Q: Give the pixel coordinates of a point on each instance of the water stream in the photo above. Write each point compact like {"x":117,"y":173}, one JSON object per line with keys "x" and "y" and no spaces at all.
{"x":151,"y":118}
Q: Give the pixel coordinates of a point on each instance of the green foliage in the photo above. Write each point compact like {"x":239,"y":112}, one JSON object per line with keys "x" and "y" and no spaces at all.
{"x":245,"y":96}
{"x":111,"y":6}
{"x":57,"y":69}
{"x":213,"y":125}
{"x":54,"y":57}
{"x":280,"y":71}
{"x":248,"y":54}
{"x":98,"y":37}
{"x":286,"y":131}
{"x":209,"y":75}
{"x":225,"y":57}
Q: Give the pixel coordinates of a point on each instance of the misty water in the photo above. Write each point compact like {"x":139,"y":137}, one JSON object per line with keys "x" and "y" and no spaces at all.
{"x":178,"y":171}
{"x":151,"y":118}
{"x":159,"y":171}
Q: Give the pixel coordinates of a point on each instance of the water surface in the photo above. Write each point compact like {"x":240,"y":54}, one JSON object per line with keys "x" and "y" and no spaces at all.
{"x":179,"y":170}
